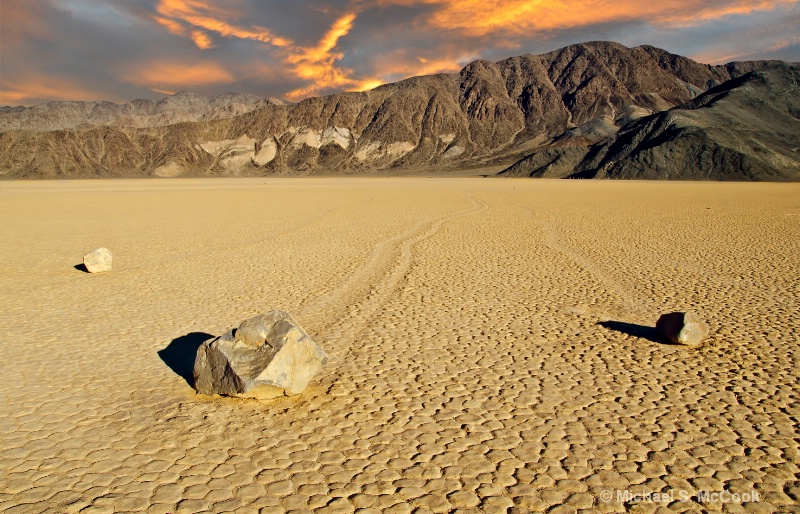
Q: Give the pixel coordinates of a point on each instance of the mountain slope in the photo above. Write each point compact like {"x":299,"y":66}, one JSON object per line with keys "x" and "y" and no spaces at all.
{"x":487,"y":113}
{"x":747,"y":128}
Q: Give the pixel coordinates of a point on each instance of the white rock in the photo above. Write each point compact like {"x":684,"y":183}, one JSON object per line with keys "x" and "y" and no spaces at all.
{"x":170,"y":169}
{"x":267,"y":153}
{"x":337,"y":135}
{"x":97,"y":260}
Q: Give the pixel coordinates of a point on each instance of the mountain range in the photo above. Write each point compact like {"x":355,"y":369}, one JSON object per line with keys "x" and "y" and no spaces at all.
{"x":177,"y":108}
{"x":592,"y":110}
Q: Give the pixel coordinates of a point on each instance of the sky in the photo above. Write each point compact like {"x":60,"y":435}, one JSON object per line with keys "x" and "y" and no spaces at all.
{"x":120,"y":50}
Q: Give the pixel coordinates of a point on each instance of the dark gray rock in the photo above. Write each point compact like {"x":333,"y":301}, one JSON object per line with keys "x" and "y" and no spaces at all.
{"x":97,"y":260}
{"x":682,"y":328}
{"x":264,"y":357}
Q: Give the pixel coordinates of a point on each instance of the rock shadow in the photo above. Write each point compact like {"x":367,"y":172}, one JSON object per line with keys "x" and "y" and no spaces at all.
{"x":179,"y":355}
{"x":643,"y":331}
{"x":81,"y":267}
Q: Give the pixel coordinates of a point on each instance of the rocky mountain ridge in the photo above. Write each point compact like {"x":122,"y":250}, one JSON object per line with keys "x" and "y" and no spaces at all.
{"x":517,"y":111}
{"x":177,"y":108}
{"x":746,"y":128}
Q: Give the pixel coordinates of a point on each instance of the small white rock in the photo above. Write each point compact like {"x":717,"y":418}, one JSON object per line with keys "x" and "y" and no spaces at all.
{"x":98,"y":260}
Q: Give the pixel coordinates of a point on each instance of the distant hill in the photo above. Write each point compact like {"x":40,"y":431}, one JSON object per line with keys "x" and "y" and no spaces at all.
{"x":176,"y":108}
{"x":590,"y":110}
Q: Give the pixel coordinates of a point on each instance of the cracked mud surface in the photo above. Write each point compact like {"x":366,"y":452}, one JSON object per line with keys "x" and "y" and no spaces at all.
{"x":488,"y":339}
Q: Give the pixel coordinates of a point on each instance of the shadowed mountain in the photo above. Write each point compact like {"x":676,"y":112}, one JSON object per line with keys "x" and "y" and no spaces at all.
{"x":747,"y":128}
{"x":550,"y":109}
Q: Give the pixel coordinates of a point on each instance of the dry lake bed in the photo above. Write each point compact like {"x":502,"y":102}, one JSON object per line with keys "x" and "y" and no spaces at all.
{"x":491,"y":345}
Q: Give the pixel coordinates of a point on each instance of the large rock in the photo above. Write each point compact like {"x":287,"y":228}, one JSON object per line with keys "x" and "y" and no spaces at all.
{"x":682,"y":328}
{"x":97,"y":260}
{"x":264,"y":357}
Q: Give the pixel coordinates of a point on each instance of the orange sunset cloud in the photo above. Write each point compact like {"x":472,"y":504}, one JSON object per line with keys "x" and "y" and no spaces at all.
{"x":317,"y":64}
{"x":520,"y":16}
{"x":16,"y":93}
{"x":168,"y":75}
{"x":269,"y":48}
{"x":319,"y":67}
{"x":179,"y":15}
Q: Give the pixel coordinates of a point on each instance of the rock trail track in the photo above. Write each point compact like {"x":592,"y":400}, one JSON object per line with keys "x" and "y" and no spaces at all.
{"x":469,"y":370}
{"x":355,"y":300}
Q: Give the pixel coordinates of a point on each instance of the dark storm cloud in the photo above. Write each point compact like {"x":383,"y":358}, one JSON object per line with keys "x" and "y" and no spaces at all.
{"x":125,"y":49}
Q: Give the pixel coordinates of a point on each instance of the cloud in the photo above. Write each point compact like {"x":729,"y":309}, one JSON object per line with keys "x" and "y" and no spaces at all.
{"x":124,"y":49}
{"x":169,"y":75}
{"x":521,"y":16}
{"x":49,"y":54}
{"x":18,"y":92}
{"x":20,"y":21}
{"x":202,"y":40}
{"x":764,"y":35}
{"x":316,"y":65}
{"x":179,"y":16}
{"x":445,"y":34}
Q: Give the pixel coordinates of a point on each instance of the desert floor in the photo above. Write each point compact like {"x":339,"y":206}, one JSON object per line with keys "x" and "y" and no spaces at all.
{"x":491,"y":342}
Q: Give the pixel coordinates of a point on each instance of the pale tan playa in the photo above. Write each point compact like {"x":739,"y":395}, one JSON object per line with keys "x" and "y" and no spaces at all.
{"x":468,"y":369}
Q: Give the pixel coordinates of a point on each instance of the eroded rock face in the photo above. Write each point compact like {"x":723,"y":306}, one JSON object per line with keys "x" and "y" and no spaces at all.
{"x":682,"y":328}
{"x":98,"y":260}
{"x":264,"y":357}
